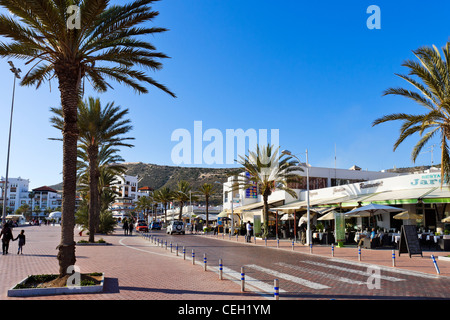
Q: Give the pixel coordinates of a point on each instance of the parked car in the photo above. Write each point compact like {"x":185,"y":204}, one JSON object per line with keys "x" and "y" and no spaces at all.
{"x":142,"y":226}
{"x":175,"y":226}
{"x":155,"y":225}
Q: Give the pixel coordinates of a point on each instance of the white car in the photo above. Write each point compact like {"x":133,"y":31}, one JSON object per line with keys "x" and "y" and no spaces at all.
{"x":175,"y":226}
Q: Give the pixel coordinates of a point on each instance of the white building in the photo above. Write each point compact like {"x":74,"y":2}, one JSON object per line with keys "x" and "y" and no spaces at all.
{"x":17,"y":192}
{"x":127,"y":190}
{"x":47,"y":199}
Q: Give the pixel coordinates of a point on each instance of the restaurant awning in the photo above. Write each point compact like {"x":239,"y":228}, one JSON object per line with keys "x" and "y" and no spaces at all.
{"x":253,"y":206}
{"x":302,"y":204}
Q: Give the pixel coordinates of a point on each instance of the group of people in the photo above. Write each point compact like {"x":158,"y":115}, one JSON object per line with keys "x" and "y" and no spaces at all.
{"x":128,"y":226}
{"x":7,"y":236}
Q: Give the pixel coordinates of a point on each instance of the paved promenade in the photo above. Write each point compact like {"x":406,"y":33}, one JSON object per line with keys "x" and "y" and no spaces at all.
{"x":136,"y":269}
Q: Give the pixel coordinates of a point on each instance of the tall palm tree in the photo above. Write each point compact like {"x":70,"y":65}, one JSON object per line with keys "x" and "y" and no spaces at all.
{"x":182,"y":194}
{"x":98,"y":127}
{"x":144,"y":203}
{"x":207,"y":190}
{"x":164,"y":195}
{"x":433,"y":85}
{"x":268,"y":172}
{"x":108,"y":44}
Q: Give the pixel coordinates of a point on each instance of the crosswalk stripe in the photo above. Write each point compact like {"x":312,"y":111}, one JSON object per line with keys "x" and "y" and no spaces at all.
{"x":364,"y":273}
{"x":303,"y":282}
{"x":235,"y":275}
{"x":323,"y":274}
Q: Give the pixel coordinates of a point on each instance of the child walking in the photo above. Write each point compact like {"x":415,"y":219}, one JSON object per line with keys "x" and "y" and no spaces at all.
{"x":21,"y":238}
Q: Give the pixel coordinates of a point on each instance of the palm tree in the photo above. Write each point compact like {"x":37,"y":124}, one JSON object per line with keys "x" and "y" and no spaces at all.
{"x":98,"y":127}
{"x":433,"y":85}
{"x":164,"y":196}
{"x":207,"y":190}
{"x":107,"y":44}
{"x":268,"y":172}
{"x":182,"y":195}
{"x":144,"y":203}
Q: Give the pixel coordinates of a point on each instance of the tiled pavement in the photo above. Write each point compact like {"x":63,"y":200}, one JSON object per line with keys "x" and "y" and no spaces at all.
{"x":137,"y":270}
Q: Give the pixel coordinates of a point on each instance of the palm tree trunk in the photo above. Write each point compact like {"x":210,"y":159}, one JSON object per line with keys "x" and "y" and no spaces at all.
{"x":68,"y":86}
{"x":181,"y":211}
{"x":207,"y":212}
{"x":94,"y":212}
{"x":266,"y":215}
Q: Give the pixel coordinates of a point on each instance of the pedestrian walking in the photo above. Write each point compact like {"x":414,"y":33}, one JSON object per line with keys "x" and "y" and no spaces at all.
{"x":130,"y":227}
{"x":6,"y":236}
{"x":21,"y":238}
{"x":249,"y":228}
{"x":125,"y":226}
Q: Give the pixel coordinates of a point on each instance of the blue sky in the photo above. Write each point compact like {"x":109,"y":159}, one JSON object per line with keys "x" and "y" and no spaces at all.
{"x":313,"y":70}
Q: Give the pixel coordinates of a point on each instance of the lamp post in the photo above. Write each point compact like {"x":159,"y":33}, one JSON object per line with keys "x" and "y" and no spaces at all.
{"x":308,"y":214}
{"x":5,"y":187}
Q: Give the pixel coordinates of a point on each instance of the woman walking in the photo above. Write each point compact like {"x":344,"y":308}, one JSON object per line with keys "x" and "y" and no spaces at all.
{"x":6,"y":236}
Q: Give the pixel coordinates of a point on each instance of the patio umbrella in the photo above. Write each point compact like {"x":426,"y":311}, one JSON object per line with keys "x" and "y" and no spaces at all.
{"x":406,"y":215}
{"x":446,"y":219}
{"x":370,"y":210}
{"x":329,"y":216}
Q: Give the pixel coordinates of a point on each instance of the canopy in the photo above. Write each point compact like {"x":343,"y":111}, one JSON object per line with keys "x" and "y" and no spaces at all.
{"x":329,"y":216}
{"x":406,"y":215}
{"x":371,"y":209}
{"x":55,"y":215}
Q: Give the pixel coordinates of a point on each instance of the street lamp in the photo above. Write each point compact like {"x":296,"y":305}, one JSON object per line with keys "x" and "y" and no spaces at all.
{"x":308,"y":215}
{"x":5,"y":187}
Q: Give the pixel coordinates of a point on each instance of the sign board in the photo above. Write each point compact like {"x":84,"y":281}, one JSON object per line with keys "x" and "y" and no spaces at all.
{"x":339,"y":226}
{"x":409,"y":241}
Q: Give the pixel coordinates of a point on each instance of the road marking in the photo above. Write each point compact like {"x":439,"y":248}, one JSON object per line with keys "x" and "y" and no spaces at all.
{"x":323,"y":274}
{"x":364,"y":273}
{"x":303,"y":282}
{"x":257,"y":284}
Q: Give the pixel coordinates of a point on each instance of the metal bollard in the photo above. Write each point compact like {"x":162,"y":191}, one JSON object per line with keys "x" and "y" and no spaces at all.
{"x":310,"y":248}
{"x":242,"y":279}
{"x":184,"y":253}
{"x":255,"y":239}
{"x":265,"y":241}
{"x":204,"y":262}
{"x":435,"y":264}
{"x":193,"y":256}
{"x":170,"y":246}
{"x":278,"y":243}
{"x":165,"y":244}
{"x":276,"y":289}
{"x":220,"y":269}
{"x":176,"y":249}
{"x":332,"y":250}
{"x":359,"y":253}
{"x":393,"y":258}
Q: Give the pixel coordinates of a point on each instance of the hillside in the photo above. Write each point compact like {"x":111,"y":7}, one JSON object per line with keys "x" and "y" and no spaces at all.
{"x":158,"y":176}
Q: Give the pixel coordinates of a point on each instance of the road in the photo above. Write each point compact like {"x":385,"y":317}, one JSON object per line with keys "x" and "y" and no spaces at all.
{"x":306,"y":276}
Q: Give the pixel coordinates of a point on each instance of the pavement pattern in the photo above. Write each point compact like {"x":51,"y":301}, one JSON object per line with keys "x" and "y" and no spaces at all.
{"x":137,"y":269}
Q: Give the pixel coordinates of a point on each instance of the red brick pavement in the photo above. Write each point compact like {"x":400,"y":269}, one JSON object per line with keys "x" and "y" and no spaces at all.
{"x":137,"y":270}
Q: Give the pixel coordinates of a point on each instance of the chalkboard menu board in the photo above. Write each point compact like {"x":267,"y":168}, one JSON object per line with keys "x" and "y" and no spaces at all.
{"x":409,"y":241}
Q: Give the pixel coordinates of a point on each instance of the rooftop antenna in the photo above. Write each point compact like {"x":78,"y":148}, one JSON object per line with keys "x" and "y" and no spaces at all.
{"x":431,"y":151}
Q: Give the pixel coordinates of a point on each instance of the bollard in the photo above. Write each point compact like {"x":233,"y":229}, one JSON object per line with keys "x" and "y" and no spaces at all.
{"x":193,"y":256}
{"x":292,"y":245}
{"x":278,"y":243}
{"x":237,"y":237}
{"x":165,"y":244}
{"x":276,"y":289}
{"x":204,"y":262}
{"x":171,"y":247}
{"x":176,"y":249}
{"x":310,"y":248}
{"x":332,"y":250}
{"x":242,"y":279}
{"x":184,"y":253}
{"x":435,"y":264}
{"x":255,"y":239}
{"x":265,"y":241}
{"x":220,"y":269}
{"x":393,"y":258}
{"x":359,"y":253}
